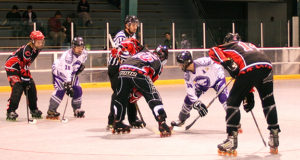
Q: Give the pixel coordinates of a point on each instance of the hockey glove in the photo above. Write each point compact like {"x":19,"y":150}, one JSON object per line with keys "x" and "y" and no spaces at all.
{"x":69,"y":89}
{"x":201,"y":108}
{"x":80,"y":69}
{"x":248,"y":102}
{"x":135,"y":96}
{"x":232,"y":68}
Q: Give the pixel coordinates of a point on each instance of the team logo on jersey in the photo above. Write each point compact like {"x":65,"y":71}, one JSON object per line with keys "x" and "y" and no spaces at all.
{"x":201,"y":81}
{"x":27,"y":53}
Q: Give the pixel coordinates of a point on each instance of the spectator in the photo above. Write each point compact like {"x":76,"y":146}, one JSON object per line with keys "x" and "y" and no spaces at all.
{"x":185,"y":43}
{"x":83,"y":10}
{"x":14,"y":19}
{"x":28,"y":18}
{"x":168,"y":41}
{"x":57,"y":31}
{"x":67,"y":25}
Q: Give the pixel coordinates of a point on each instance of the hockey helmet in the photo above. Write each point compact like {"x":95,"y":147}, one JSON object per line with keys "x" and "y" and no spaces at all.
{"x":162,"y":53}
{"x":231,"y":37}
{"x":36,"y":35}
{"x":77,"y":41}
{"x":184,"y":58}
{"x":131,"y":19}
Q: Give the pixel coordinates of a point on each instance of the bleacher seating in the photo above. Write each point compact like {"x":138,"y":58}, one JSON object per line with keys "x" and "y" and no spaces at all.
{"x":157,"y":16}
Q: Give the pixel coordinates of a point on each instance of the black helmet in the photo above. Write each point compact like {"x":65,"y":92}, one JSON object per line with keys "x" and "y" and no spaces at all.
{"x":231,"y":37}
{"x":162,"y":52}
{"x":77,"y":41}
{"x":184,"y":58}
{"x":131,"y":19}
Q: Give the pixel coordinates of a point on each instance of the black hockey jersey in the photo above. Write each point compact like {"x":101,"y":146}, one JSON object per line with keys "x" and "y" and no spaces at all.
{"x":21,"y":59}
{"x":144,"y":62}
{"x":246,"y":55}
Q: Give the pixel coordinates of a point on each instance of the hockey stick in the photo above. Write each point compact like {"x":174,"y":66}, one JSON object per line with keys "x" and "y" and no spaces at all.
{"x":140,"y":114}
{"x":30,"y":121}
{"x":111,"y":41}
{"x":65,"y":120}
{"x":209,"y":104}
{"x":262,"y":138}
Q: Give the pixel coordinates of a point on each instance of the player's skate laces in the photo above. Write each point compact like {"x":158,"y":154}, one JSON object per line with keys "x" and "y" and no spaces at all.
{"x":12,"y":116}
{"x":120,"y":127}
{"x":36,"y":114}
{"x":228,"y":147}
{"x":52,"y":115}
{"x":78,"y":113}
{"x":274,"y":141}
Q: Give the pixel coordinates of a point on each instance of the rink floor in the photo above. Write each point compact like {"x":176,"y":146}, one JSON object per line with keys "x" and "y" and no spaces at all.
{"x":82,"y":139}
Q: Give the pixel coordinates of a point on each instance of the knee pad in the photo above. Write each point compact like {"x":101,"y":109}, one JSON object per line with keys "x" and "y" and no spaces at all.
{"x":77,"y":92}
{"x":187,"y":101}
{"x":16,"y":93}
{"x":233,"y":117}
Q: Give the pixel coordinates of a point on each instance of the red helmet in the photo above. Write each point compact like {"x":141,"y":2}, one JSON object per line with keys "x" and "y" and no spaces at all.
{"x":36,"y":35}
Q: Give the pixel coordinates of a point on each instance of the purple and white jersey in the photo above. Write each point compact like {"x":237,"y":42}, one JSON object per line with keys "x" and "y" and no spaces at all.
{"x":207,"y":75}
{"x":68,"y":64}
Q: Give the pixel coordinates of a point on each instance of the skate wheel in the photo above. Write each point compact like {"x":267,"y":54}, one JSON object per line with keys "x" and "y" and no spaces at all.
{"x":233,"y":153}
{"x":240,"y":130}
{"x":274,"y":150}
{"x":221,"y":153}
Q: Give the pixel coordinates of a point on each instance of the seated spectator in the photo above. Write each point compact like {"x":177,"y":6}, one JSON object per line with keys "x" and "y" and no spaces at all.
{"x":56,"y":30}
{"x":185,"y":43}
{"x":67,"y":25}
{"x":29,"y":17}
{"x":13,"y":18}
{"x":168,"y":41}
{"x":83,"y":10}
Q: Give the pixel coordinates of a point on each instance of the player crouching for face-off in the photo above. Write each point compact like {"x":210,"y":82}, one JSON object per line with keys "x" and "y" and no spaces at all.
{"x":200,"y":75}
{"x":19,"y":76}
{"x":139,"y":71}
{"x":65,"y":72}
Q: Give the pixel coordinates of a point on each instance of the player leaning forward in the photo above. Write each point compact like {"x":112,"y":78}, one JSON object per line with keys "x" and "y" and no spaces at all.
{"x":19,"y":76}
{"x":200,"y":75}
{"x":250,"y":68}
{"x":138,"y":72}
{"x":65,"y":79}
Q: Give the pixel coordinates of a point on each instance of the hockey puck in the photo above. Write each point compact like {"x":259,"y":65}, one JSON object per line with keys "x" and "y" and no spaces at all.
{"x":33,"y":121}
{"x":65,"y":120}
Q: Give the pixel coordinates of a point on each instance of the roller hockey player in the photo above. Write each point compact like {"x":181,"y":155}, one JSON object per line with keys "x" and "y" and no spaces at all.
{"x":138,"y":72}
{"x":65,"y":79}
{"x":251,"y":68}
{"x":19,"y":76}
{"x":200,"y":75}
{"x":131,"y":24}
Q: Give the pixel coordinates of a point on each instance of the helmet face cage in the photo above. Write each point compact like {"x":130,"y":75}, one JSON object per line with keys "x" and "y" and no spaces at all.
{"x":162,"y":52}
{"x":131,"y":19}
{"x":77,"y":41}
{"x":231,"y":37}
{"x":184,"y":58}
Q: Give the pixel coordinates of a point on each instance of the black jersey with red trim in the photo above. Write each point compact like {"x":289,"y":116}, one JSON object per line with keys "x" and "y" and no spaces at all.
{"x":21,"y":59}
{"x":245,"y":54}
{"x":145,"y":63}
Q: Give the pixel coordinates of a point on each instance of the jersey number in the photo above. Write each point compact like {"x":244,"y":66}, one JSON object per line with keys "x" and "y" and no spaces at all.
{"x":67,"y":67}
{"x":247,"y":46}
{"x":146,"y":57}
